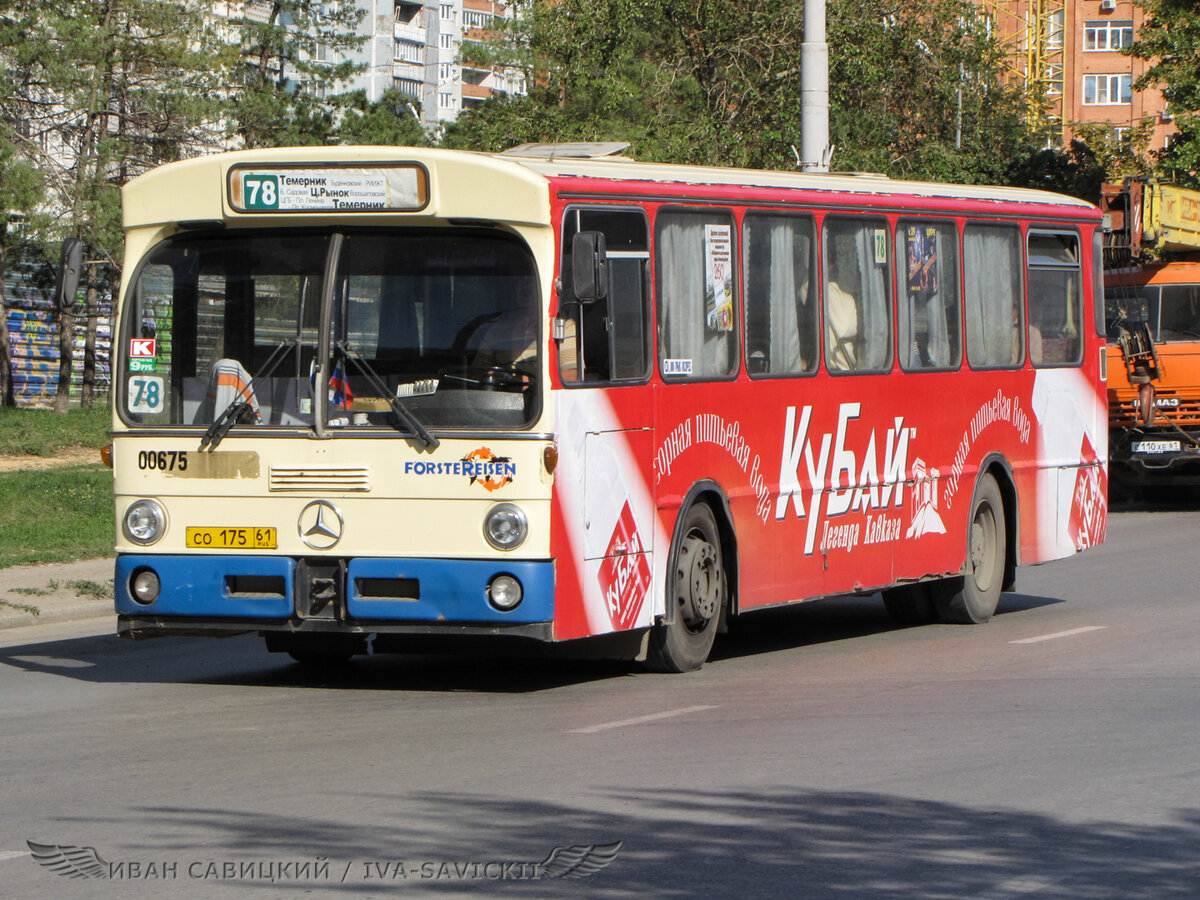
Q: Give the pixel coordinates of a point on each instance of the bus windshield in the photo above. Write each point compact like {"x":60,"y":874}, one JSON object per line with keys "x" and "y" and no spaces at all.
{"x":444,"y":322}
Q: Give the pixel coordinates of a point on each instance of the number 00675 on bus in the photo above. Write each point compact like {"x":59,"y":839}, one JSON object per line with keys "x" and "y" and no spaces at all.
{"x":231,"y":538}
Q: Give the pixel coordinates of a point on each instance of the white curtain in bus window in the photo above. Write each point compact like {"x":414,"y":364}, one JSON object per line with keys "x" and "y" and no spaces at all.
{"x":695,"y":281}
{"x":927,"y":273}
{"x":1055,"y":299}
{"x":858,"y":333}
{"x":781,"y":312}
{"x":992,"y":295}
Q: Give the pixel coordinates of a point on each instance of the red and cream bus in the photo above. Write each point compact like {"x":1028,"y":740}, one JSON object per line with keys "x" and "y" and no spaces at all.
{"x":367,"y":395}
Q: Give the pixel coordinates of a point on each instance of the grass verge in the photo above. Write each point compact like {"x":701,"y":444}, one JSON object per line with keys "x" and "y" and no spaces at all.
{"x":43,"y":432}
{"x":55,"y":515}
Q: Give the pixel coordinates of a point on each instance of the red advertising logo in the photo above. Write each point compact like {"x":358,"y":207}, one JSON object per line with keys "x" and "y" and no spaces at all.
{"x":142,"y":348}
{"x":1089,"y":504}
{"x":625,"y":572}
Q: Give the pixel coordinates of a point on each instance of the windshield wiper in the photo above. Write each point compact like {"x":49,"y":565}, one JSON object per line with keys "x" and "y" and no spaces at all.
{"x":239,"y":408}
{"x":419,"y":431}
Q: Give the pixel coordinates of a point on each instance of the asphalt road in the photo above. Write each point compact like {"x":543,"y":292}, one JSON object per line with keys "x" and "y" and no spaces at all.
{"x":1054,"y":752}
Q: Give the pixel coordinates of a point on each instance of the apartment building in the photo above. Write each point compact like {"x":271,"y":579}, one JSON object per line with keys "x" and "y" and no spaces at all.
{"x":1068,"y":52}
{"x":422,"y":48}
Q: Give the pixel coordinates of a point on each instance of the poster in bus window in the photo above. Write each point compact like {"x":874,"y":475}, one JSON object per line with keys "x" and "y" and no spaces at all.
{"x":921,"y":244}
{"x":718,"y":291}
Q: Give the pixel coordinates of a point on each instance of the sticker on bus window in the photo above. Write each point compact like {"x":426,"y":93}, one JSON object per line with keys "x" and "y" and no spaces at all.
{"x":145,"y":394}
{"x":718,"y":294}
{"x":881,"y":243}
{"x":677,"y":367}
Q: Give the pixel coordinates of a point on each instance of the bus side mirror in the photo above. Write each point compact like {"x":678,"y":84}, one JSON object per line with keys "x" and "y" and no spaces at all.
{"x":589,"y":266}
{"x":70,"y":265}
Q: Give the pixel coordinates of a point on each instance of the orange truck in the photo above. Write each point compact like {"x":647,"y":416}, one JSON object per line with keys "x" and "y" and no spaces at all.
{"x":1153,"y":316}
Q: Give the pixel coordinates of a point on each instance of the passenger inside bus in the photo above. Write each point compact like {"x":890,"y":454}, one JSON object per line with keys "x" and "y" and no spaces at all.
{"x":841,"y":325}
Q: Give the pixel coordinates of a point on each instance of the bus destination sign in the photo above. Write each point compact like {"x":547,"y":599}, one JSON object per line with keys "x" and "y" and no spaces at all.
{"x":288,"y":189}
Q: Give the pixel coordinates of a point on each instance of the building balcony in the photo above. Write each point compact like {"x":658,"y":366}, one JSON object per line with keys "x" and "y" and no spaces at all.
{"x":408,"y":71}
{"x":413,"y":31}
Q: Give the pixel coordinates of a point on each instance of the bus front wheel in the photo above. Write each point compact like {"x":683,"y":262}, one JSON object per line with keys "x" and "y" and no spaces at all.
{"x":972,"y":598}
{"x":696,"y":592}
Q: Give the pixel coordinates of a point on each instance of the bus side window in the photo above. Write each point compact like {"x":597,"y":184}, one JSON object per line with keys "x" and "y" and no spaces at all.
{"x":858,"y":309}
{"x":992,"y":296}
{"x":606,"y":338}
{"x":782,"y":328}
{"x":695,"y":272}
{"x":1055,"y":299}
{"x":927,"y":281}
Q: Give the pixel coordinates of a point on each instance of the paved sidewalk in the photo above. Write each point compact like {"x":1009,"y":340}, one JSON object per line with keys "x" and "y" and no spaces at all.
{"x":56,"y":592}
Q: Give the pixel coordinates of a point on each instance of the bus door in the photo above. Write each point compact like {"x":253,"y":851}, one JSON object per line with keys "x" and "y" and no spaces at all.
{"x":605,"y":419}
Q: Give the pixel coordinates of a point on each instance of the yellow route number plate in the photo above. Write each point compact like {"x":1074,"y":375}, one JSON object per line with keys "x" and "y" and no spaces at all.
{"x":231,"y":538}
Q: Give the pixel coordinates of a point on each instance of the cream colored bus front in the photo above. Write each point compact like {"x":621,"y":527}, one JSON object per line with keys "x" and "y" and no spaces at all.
{"x":330,"y":397}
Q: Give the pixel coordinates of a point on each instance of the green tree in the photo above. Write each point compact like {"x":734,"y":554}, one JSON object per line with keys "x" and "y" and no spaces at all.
{"x":1170,"y":39}
{"x":392,"y":120}
{"x":915,"y":90}
{"x":281,"y":84}
{"x":91,"y":93}
{"x":19,"y":193}
{"x":1077,"y":171}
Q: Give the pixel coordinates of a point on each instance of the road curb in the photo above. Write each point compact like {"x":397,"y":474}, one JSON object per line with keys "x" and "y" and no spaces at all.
{"x":55,"y":592}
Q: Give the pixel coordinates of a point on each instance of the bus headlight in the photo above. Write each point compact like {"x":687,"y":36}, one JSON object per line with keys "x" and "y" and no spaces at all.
{"x":144,"y":522}
{"x":504,"y":593}
{"x":505,"y":526}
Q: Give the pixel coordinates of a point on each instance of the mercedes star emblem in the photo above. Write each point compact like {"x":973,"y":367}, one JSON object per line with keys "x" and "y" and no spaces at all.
{"x":320,"y":525}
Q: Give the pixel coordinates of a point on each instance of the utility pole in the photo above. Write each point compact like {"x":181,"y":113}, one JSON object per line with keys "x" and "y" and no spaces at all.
{"x":814,"y":91}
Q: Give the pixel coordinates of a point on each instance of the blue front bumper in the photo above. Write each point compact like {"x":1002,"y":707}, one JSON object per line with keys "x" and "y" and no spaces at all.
{"x":258,"y":589}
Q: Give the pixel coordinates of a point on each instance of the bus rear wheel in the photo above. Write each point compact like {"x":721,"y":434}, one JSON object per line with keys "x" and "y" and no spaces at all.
{"x":696,"y":592}
{"x":972,"y":598}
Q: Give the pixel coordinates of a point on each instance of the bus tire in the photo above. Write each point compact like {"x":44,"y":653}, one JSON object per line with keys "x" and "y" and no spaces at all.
{"x":910,"y":604}
{"x":971,"y":599}
{"x":697,"y":586}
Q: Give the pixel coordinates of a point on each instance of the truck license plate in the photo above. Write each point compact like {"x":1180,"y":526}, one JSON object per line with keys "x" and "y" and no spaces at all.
{"x":1156,"y":446}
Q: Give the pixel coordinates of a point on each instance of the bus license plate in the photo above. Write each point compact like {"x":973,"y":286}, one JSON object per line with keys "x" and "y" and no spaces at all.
{"x":231,"y":538}
{"x":1156,"y":446}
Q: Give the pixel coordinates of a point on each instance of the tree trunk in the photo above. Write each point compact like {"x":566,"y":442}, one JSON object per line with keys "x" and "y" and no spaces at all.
{"x":66,"y":348}
{"x":88,"y":385}
{"x":7,"y":392}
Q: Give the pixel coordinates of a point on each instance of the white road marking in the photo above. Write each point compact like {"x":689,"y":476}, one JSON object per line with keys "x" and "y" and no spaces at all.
{"x":1059,"y":634}
{"x":54,"y":662}
{"x":653,"y":717}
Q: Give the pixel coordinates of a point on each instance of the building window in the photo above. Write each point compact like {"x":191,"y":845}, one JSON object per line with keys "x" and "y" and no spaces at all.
{"x":446,"y":41}
{"x":474,"y":19}
{"x":1107,"y":35}
{"x":407,"y":87}
{"x":1054,"y":37}
{"x":1107,"y":90}
{"x":411,"y":53}
{"x":445,"y":100}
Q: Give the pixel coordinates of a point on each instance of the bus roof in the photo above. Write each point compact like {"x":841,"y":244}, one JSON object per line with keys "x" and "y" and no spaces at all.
{"x":515,"y":188}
